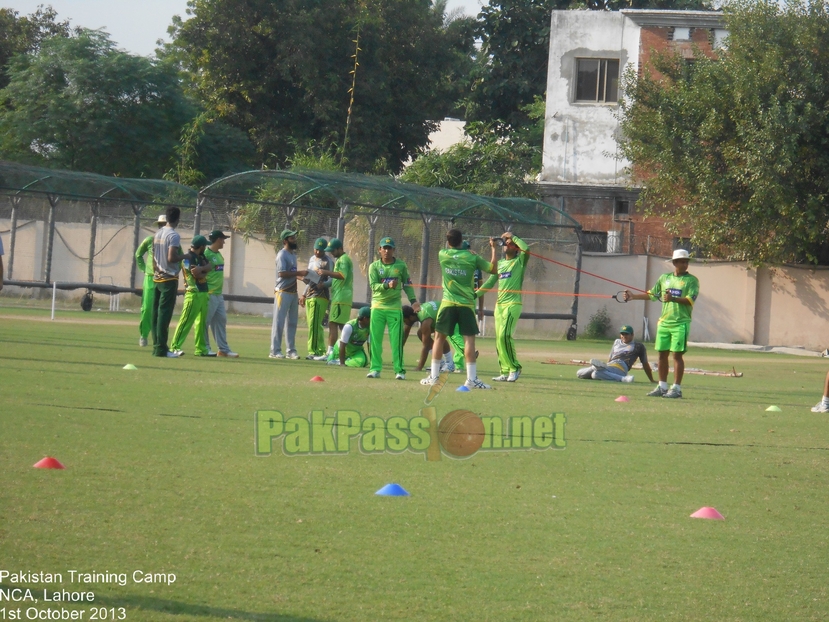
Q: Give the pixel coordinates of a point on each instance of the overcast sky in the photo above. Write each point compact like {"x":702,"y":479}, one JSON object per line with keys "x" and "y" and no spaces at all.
{"x":136,"y":25}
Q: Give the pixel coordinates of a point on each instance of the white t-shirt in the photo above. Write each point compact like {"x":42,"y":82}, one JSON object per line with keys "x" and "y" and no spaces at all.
{"x":345,"y":334}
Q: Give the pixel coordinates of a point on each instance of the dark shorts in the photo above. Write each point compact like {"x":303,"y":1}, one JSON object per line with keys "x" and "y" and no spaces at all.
{"x":450,"y":316}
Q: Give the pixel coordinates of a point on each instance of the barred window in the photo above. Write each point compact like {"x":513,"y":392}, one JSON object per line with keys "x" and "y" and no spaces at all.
{"x":597,"y":80}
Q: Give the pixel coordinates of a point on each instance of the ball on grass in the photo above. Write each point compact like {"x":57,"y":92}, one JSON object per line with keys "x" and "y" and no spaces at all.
{"x":461,"y":433}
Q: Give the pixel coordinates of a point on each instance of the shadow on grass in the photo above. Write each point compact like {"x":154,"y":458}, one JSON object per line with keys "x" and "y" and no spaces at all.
{"x":173,"y":607}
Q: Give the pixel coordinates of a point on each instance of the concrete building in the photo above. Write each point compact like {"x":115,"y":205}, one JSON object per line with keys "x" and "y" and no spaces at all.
{"x":582,"y":172}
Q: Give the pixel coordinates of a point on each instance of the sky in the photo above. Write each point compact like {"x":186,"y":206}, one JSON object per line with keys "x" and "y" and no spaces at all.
{"x":136,"y":25}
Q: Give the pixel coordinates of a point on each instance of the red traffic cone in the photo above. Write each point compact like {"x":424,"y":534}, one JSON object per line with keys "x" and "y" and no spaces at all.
{"x":49,"y":463}
{"x":317,"y":379}
{"x":707,"y":512}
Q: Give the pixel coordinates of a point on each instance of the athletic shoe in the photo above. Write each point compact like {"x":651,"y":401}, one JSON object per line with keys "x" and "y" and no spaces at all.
{"x":321,"y":357}
{"x":173,"y":355}
{"x":230,"y":355}
{"x":673,"y":393}
{"x":142,"y":342}
{"x":400,"y":376}
{"x":476,"y":384}
{"x":179,"y":352}
{"x":501,"y":378}
{"x":334,"y":362}
{"x":428,"y":381}
{"x":310,"y":357}
{"x":627,"y":379}
{"x":292,"y":355}
{"x":278,"y":355}
{"x":373,"y":374}
{"x":820,"y":407}
{"x":450,"y":366}
{"x":598,"y":364}
{"x":657,"y":392}
{"x":513,"y":376}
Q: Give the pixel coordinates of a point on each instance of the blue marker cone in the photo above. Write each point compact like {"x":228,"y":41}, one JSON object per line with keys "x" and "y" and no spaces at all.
{"x":463,"y":389}
{"x":392,"y":490}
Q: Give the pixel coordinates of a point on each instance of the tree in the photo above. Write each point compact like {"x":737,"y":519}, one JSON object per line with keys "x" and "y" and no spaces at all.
{"x":738,"y":148}
{"x":21,"y":35}
{"x":281,"y":71}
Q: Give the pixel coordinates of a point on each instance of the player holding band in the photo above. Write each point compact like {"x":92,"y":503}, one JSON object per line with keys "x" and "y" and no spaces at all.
{"x":678,"y":291}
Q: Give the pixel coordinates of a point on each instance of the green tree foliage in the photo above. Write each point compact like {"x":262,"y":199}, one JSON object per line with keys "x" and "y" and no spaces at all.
{"x":21,"y":35}
{"x":281,"y":71}
{"x":741,"y":144}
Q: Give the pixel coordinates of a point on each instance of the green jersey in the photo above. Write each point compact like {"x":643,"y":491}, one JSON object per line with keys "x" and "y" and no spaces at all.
{"x":145,"y":247}
{"x":342,"y":290}
{"x":458,"y":268}
{"x":510,"y":276}
{"x":356,"y":337}
{"x":685,"y":286}
{"x":216,"y":277}
{"x":379,"y":277}
{"x":193,"y":260}
{"x":428,"y":311}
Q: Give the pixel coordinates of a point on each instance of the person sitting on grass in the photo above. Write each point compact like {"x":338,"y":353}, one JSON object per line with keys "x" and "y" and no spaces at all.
{"x":623,"y":355}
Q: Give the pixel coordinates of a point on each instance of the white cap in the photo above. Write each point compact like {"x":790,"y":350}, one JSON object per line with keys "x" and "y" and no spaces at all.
{"x":162,"y":219}
{"x":680,"y":253}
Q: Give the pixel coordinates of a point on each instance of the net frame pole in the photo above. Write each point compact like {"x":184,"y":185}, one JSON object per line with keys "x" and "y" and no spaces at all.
{"x":424,"y":258}
{"x":136,"y":235}
{"x":93,"y":233}
{"x":53,"y":203}
{"x":15,"y":201}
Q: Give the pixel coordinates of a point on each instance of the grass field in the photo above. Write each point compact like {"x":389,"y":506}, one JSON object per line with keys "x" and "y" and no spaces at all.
{"x":162,"y":477}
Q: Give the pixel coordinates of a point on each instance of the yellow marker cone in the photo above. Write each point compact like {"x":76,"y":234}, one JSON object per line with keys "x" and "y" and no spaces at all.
{"x":129,"y":366}
{"x":773,"y":409}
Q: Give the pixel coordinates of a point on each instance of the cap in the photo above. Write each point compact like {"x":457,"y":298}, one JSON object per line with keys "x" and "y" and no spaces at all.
{"x":386,"y":242}
{"x":162,"y":219}
{"x":680,"y":253}
{"x":199,"y":240}
{"x":464,"y":245}
{"x":320,"y":244}
{"x":215,"y":235}
{"x":287,"y":233}
{"x":364,"y":312}
{"x":626,"y":330}
{"x":334,"y":244}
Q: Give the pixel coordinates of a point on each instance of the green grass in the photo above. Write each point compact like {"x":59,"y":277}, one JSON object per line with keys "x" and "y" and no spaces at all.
{"x":161,"y":477}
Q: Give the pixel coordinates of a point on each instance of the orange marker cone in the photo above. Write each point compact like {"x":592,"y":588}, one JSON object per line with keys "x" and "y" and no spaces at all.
{"x":317,"y":379}
{"x":707,"y":512}
{"x":49,"y":463}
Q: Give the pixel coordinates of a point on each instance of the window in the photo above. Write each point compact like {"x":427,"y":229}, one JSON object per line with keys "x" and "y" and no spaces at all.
{"x":621,"y":210}
{"x":594,"y":241}
{"x":597,"y":80}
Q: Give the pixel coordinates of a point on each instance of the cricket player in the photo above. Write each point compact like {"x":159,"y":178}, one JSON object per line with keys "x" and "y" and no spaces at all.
{"x":388,"y":277}
{"x":145,"y":324}
{"x":426,"y":317}
{"x":623,"y":355}
{"x":167,"y":258}
{"x":457,"y":309}
{"x":286,"y":300}
{"x":216,"y":319}
{"x":508,"y":306}
{"x":342,"y":293}
{"x":315,"y":300}
{"x":194,"y":312}
{"x":355,"y":333}
{"x":678,"y":291}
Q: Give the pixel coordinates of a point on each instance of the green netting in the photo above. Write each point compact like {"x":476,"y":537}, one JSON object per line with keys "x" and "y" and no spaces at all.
{"x":17,"y":179}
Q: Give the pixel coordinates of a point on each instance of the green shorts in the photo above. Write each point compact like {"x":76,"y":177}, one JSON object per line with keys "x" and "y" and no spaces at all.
{"x":340,"y":312}
{"x":672,"y":338}
{"x":450,"y":316}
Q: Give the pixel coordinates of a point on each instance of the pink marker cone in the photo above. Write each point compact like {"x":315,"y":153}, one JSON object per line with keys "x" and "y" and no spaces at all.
{"x":317,"y":379}
{"x":707,"y":512}
{"x":622,"y":398}
{"x":49,"y":463}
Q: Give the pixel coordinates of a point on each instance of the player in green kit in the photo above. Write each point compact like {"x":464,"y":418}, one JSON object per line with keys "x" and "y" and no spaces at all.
{"x":457,"y":309}
{"x":315,"y":300}
{"x":194,"y":311}
{"x":508,"y":307}
{"x":342,"y":293}
{"x":426,"y":317}
{"x":354,"y":334}
{"x":388,"y":277}
{"x":678,"y":291}
{"x":216,"y":319}
{"x":145,"y":324}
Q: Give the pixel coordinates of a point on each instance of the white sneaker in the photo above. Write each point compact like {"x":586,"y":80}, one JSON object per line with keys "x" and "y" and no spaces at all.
{"x":820,"y":407}
{"x":179,"y":352}
{"x":310,"y":357}
{"x":513,"y":376}
{"x":598,"y":364}
{"x":476,"y":384}
{"x":450,"y":366}
{"x":501,"y":378}
{"x":428,"y":381}
{"x":278,"y":355}
{"x":173,"y":355}
{"x":400,"y":376}
{"x":627,"y":378}
{"x":373,"y":374}
{"x":334,"y":362}
{"x":292,"y":355}
{"x":142,"y":342}
{"x":321,"y":357}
